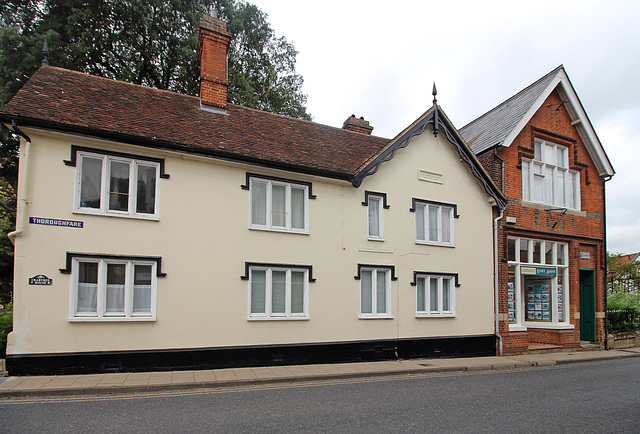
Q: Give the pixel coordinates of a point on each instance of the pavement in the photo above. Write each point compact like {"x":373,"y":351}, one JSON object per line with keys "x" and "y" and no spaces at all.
{"x":119,"y":383}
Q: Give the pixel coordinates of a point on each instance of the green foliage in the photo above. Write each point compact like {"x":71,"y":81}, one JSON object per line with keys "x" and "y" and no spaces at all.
{"x":623,"y":275}
{"x":6,"y":325}
{"x":622,"y":300}
{"x":152,"y":43}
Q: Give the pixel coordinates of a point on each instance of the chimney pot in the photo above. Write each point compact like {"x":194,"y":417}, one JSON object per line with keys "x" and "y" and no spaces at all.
{"x":358,"y":125}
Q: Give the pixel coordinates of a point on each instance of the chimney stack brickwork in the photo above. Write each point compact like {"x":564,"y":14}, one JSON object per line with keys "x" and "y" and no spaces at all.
{"x":213,"y":44}
{"x":358,"y":125}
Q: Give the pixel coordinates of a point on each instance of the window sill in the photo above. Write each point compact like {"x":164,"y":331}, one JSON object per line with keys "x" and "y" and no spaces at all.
{"x":428,"y":243}
{"x":375,"y":239}
{"x":539,"y":325}
{"x":111,"y":319}
{"x":285,"y":231}
{"x":542,"y":205}
{"x":264,"y":318}
{"x":436,"y":315}
{"x":118,"y":215}
{"x":376,"y":317}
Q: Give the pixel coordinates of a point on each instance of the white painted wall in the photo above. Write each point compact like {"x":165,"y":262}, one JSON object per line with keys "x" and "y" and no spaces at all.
{"x":204,"y":241}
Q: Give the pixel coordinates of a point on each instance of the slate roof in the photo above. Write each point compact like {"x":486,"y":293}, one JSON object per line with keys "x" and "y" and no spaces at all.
{"x":493,"y":127}
{"x":84,"y":104}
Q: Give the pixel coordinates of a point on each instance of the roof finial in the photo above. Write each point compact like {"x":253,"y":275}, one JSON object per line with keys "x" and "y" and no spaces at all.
{"x":45,"y":53}
{"x":434,"y":93}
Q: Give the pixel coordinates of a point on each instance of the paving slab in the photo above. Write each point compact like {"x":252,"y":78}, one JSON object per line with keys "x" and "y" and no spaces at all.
{"x":140,"y":381}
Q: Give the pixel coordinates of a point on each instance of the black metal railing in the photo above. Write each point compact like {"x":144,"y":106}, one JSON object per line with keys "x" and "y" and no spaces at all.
{"x":623,"y":320}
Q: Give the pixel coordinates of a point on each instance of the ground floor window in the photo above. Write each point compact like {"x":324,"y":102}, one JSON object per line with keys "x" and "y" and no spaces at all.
{"x":278,"y":293}
{"x":537,"y":291}
{"x":375,"y":293}
{"x":435,"y":296}
{"x":112,"y":289}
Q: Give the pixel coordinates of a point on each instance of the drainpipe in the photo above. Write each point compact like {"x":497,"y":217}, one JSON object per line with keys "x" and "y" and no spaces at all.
{"x":22,"y":186}
{"x":495,"y":278}
{"x":606,"y":268}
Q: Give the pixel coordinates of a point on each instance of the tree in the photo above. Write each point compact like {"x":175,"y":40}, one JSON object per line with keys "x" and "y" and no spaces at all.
{"x":151,"y":43}
{"x":624,"y":272}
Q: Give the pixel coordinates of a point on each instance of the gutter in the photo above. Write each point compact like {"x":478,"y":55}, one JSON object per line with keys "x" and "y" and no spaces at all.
{"x":21,"y":211}
{"x":495,"y":278}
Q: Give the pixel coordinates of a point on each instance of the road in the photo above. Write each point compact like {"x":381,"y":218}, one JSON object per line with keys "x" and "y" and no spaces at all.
{"x":589,"y":397}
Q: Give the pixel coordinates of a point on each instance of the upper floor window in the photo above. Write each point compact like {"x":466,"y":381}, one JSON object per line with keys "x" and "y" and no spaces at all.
{"x":547,"y":178}
{"x":116,"y":185}
{"x":279,"y":205}
{"x":277,"y":292}
{"x":375,"y":203}
{"x":434,"y":222}
{"x":113,"y":289}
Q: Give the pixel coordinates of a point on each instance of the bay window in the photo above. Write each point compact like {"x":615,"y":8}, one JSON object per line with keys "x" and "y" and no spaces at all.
{"x":537,"y":291}
{"x":547,"y":178}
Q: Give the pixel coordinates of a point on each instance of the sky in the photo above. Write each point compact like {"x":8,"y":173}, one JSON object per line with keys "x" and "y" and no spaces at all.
{"x":380,"y":59}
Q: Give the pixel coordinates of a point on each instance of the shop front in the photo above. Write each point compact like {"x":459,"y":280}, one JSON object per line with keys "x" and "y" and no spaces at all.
{"x":538,"y":291}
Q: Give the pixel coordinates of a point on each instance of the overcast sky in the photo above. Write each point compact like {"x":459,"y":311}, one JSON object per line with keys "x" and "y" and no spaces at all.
{"x":379,"y":60}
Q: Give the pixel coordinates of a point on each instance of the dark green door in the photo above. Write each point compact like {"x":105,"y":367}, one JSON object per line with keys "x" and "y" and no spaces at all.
{"x":587,"y":306}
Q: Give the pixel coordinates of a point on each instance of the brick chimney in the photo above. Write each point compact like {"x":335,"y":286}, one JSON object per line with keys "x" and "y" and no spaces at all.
{"x":357,"y":125}
{"x":213,"y":44}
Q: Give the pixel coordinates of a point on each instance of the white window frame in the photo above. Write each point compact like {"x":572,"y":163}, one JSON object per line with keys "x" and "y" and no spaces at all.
{"x":268,"y":217}
{"x":379,"y":200}
{"x":268,"y":314}
{"x":422,"y":210}
{"x":373,"y":291}
{"x":101,"y":314}
{"x":547,"y":178}
{"x":134,"y":165}
{"x":559,"y":261}
{"x":423,"y":283}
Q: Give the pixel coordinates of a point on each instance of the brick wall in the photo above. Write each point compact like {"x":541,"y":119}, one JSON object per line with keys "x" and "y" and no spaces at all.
{"x":583,"y":230}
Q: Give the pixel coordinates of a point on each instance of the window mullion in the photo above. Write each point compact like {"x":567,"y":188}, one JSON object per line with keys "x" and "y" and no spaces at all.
{"x":268,"y":302}
{"x":287,"y":293}
{"x":287,"y":207}
{"x":128,"y":289}
{"x":269,"y":207}
{"x":101,"y":292}
{"x":104,"y":191}
{"x":133,"y":191}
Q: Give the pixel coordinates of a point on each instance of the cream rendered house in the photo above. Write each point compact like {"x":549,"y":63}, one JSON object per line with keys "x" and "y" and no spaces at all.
{"x":164,"y":231}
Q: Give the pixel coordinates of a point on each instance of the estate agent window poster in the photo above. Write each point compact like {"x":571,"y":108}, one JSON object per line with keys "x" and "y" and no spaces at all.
{"x":538,"y":300}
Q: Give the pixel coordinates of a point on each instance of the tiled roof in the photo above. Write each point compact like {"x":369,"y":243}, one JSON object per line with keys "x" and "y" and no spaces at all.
{"x":493,"y":127}
{"x":80,"y":103}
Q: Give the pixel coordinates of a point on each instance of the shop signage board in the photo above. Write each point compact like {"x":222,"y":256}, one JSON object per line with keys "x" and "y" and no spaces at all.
{"x":538,"y":271}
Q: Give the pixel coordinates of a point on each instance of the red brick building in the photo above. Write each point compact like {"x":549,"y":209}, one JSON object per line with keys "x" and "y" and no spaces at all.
{"x":541,"y":149}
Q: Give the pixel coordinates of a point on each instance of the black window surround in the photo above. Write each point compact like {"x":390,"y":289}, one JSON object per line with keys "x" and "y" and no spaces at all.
{"x":417,"y":274}
{"x":248,"y":265}
{"x":368,"y":193}
{"x":71,"y":255}
{"x":75,"y":149}
{"x":274,"y":178}
{"x":378,"y":267}
{"x":415,"y":201}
